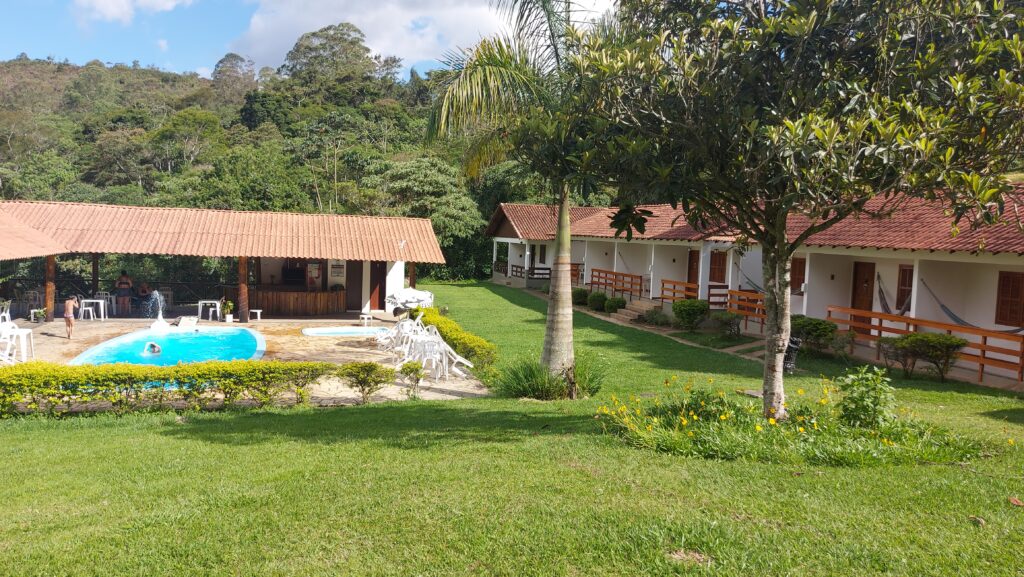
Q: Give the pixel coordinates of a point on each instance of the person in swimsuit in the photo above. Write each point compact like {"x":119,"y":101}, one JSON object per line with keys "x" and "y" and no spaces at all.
{"x":70,"y":306}
{"x":153,"y":348}
{"x":123,"y":290}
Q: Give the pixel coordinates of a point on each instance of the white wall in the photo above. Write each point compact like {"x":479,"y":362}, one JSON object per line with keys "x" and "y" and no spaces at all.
{"x":600,"y":254}
{"x":829,"y":282}
{"x":670,"y":263}
{"x":578,"y":251}
{"x":366,"y":286}
{"x":634,"y":258}
{"x":395,"y":279}
{"x":750,"y":267}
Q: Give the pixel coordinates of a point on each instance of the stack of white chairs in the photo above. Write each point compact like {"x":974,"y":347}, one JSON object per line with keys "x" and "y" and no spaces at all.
{"x":411,"y":340}
{"x":5,"y":311}
{"x":7,"y":343}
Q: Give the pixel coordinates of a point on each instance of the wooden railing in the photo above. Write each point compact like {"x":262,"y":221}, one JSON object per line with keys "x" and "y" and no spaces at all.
{"x":677,"y":290}
{"x":718,"y":296}
{"x":501,"y":267}
{"x":577,"y":273}
{"x":873,"y":324}
{"x":749,"y":305}
{"x":517,"y":271}
{"x":617,"y":282}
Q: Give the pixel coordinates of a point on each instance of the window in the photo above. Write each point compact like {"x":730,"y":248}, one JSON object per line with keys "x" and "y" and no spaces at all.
{"x":797,"y":275}
{"x":717,"y":274}
{"x":904,"y":288}
{"x":543,"y":253}
{"x":1010,"y":299}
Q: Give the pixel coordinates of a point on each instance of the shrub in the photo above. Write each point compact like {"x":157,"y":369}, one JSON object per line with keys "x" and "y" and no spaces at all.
{"x":816,"y":334}
{"x":597,"y":300}
{"x":580,"y":296}
{"x":894,"y":350}
{"x":938,"y":349}
{"x":656,"y":317}
{"x":867,"y":400}
{"x":366,"y":377}
{"x":412,"y":373}
{"x":690,"y":313}
{"x":54,"y":388}
{"x":479,"y":351}
{"x":728,"y":323}
{"x":530,"y":379}
{"x":614,"y":304}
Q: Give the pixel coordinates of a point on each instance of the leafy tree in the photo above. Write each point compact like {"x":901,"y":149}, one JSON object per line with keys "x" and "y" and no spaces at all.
{"x":255,"y":178}
{"x":517,"y":94}
{"x":186,"y":137}
{"x":266,"y":107}
{"x":778,"y":119}
{"x":118,"y":157}
{"x":233,"y":77}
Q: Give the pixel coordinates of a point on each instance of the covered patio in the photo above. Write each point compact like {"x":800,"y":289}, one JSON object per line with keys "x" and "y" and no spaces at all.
{"x":288,"y":265}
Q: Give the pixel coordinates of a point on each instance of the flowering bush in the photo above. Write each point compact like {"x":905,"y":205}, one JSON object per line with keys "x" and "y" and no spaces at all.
{"x":700,"y":422}
{"x":868,"y":399}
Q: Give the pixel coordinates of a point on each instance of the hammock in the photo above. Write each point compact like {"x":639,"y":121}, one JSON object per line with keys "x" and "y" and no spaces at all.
{"x":885,"y":302}
{"x":757,"y":287}
{"x":953,"y":317}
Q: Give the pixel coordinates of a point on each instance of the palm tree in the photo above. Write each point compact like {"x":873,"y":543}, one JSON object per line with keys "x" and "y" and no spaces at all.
{"x":515,"y":95}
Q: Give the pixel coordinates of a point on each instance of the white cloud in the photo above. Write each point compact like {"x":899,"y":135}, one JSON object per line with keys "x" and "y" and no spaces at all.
{"x":204,"y":71}
{"x":413,"y":30}
{"x":162,"y":45}
{"x":122,"y":11}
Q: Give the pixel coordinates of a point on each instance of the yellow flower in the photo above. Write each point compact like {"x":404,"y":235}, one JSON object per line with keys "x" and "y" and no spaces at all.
{"x":683,"y":421}
{"x":823,"y":401}
{"x":689,"y":433}
{"x":675,"y":378}
{"x":691,"y":413}
{"x":650,"y":428}
{"x":723,"y":417}
{"x":721,"y":393}
{"x":771,"y":421}
{"x":815,"y":423}
{"x":758,"y":428}
{"x":799,"y":418}
{"x":801,"y":429}
{"x":799,"y":391}
{"x":1010,"y":441}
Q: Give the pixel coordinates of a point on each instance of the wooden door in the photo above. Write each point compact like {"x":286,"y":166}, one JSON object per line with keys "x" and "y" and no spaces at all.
{"x":354,"y":285}
{"x":693,"y":267}
{"x":378,"y":286}
{"x":863,"y":293}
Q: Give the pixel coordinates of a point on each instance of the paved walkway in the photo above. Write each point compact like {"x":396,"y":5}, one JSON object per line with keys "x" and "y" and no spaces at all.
{"x":285,"y":342}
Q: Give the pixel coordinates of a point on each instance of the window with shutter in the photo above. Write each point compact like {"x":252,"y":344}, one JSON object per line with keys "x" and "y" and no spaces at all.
{"x":1010,"y":299}
{"x":717,"y":273}
{"x":543,"y":253}
{"x":797,"y":275}
{"x":905,"y":287}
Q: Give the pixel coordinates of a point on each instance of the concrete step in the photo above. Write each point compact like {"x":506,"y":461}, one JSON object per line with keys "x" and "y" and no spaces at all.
{"x":625,"y":316}
{"x":642,"y":305}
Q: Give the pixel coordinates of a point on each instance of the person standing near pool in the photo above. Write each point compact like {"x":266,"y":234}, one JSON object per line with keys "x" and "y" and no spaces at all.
{"x":123,"y":290}
{"x":70,"y":306}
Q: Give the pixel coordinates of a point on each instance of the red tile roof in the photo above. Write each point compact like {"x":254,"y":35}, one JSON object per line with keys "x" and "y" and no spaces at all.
{"x":102,"y":228}
{"x":536,"y":221}
{"x":917,"y":225}
{"x":19,"y":241}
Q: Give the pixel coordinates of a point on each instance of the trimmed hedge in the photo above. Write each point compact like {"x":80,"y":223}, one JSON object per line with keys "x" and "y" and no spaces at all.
{"x":817,"y":334}
{"x":580,"y":296}
{"x":614,"y":304}
{"x":596,"y":301}
{"x":480,"y":352}
{"x":691,"y":313}
{"x":52,"y":387}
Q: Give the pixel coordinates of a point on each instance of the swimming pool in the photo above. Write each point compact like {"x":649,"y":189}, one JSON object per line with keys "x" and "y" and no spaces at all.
{"x":177,"y":345}
{"x":349,"y":331}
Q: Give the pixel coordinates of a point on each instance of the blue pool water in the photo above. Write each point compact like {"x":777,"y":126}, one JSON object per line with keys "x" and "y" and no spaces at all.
{"x":177,"y":345}
{"x":344,"y":331}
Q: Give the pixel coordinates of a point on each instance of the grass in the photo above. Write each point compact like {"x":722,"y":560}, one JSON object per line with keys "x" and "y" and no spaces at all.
{"x":714,"y":340}
{"x":495,"y":486}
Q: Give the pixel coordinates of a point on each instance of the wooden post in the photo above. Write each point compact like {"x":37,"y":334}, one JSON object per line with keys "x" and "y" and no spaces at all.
{"x":50,"y":287}
{"x":412,"y":274}
{"x":243,"y":289}
{"x":95,"y":273}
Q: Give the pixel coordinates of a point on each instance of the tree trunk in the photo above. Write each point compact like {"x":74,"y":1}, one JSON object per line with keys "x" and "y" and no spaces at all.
{"x":558,"y":354}
{"x":776,"y":303}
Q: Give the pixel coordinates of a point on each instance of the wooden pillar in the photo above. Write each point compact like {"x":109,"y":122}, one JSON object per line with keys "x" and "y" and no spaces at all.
{"x":412,"y":274}
{"x":243,"y":289}
{"x":50,"y":286}
{"x":95,"y":273}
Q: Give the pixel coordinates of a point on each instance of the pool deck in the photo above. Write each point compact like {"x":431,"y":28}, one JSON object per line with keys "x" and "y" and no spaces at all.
{"x":285,"y":342}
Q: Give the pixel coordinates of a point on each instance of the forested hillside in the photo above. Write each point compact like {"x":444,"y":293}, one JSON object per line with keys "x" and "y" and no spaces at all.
{"x":331,"y":130}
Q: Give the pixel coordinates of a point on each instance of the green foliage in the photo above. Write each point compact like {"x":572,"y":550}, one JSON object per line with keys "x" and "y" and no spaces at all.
{"x":412,"y":373}
{"x":366,"y":377}
{"x":690,"y":313}
{"x":527,"y":378}
{"x":698,"y":423}
{"x":656,"y":317}
{"x":479,"y":351}
{"x":590,"y":372}
{"x":55,"y":388}
{"x":939,"y":349}
{"x":867,"y":400}
{"x":596,"y":300}
{"x":893,"y":350}
{"x":580,"y":296}
{"x":728,"y":323}
{"x":614,"y":304}
{"x":817,"y":334}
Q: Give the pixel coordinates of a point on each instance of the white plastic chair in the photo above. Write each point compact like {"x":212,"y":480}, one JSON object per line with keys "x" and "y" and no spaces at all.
{"x":84,"y":310}
{"x":5,"y":311}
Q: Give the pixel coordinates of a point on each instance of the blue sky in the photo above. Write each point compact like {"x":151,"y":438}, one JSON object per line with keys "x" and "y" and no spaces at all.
{"x":192,"y":35}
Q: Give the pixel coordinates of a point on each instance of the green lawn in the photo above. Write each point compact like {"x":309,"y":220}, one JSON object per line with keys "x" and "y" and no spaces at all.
{"x":715,"y":340}
{"x":494,"y":487}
